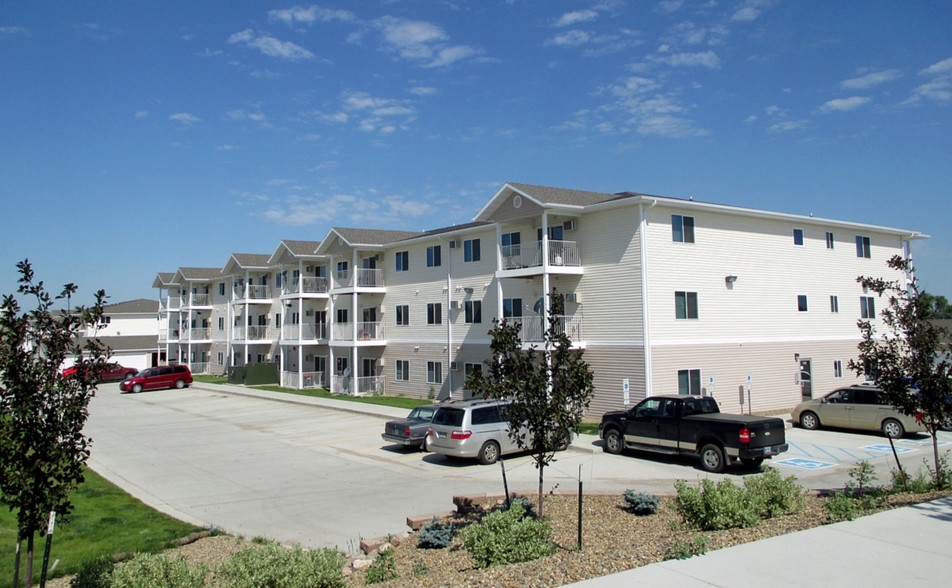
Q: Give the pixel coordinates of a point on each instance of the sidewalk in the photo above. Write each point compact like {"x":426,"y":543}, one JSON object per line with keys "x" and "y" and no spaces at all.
{"x":909,"y":546}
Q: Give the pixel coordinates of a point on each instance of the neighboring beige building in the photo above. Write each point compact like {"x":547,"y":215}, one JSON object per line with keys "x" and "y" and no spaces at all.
{"x":129,"y":330}
{"x":664,"y":295}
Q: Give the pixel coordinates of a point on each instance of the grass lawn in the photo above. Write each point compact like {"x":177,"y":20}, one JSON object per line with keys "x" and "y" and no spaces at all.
{"x":105,"y":521}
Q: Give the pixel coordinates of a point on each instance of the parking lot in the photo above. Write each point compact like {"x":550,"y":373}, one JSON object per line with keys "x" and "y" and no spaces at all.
{"x":287,"y":467}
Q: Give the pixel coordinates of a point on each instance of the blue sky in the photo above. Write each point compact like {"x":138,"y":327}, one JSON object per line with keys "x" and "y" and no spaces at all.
{"x":138,"y":137}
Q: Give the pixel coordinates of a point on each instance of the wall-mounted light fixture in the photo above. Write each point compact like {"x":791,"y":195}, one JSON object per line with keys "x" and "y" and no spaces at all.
{"x":730,"y":279}
{"x":468,"y":290}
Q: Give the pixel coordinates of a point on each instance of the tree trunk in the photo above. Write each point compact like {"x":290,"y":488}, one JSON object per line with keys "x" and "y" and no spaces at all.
{"x":28,"y":572}
{"x":540,"y":490}
{"x":939,"y":474}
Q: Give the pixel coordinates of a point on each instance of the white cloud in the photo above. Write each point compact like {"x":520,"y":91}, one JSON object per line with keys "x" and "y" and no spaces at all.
{"x":422,"y":91}
{"x":789,"y":125}
{"x":270,"y":46}
{"x":749,"y":10}
{"x":14,"y":31}
{"x":706,"y":59}
{"x":871,"y":79}
{"x":309,"y":15}
{"x":669,"y":5}
{"x":244,"y":115}
{"x":421,"y":42}
{"x":572,"y":38}
{"x":227,"y":148}
{"x":142,"y":114}
{"x":939,"y":68}
{"x":337,"y":117}
{"x":844,"y":104}
{"x":571,"y":18}
{"x":358,"y":209}
{"x":185,"y":118}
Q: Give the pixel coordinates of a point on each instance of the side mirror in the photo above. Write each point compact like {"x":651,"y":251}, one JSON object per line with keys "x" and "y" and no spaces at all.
{"x":823,"y":401}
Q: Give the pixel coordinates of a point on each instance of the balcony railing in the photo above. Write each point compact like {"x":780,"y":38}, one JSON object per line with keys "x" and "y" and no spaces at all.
{"x":304,"y":332}
{"x":534,"y":327}
{"x":200,"y":300}
{"x":253,"y":292}
{"x":365,"y":278}
{"x":173,"y":303}
{"x":199,"y":367}
{"x":202,"y":333}
{"x":306,"y":285}
{"x":252,"y":333}
{"x":366,"y":386}
{"x":302,"y":380}
{"x":366,"y":331}
{"x":561,"y":253}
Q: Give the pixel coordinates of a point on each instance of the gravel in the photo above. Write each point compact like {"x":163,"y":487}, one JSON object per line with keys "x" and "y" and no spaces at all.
{"x":613,"y":540}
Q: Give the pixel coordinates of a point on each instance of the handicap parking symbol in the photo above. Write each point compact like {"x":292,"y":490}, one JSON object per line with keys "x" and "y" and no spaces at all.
{"x":884,"y":447}
{"x":807,"y":464}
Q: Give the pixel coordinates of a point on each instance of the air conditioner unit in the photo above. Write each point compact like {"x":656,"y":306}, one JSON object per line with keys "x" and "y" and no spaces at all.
{"x":573,"y":297}
{"x":568,"y":225}
{"x":382,"y":362}
{"x":454,"y":365}
{"x":454,"y":304}
{"x":454,"y":244}
{"x":382,"y":309}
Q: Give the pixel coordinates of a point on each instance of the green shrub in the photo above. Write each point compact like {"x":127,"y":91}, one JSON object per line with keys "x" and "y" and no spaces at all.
{"x":841,"y":507}
{"x":506,"y":537}
{"x":773,"y":494}
{"x":919,"y":483}
{"x":147,"y":570}
{"x":641,"y":503}
{"x":682,"y":549}
{"x":419,"y":569}
{"x":527,"y":504}
{"x":862,"y":475}
{"x":713,"y":507}
{"x":93,"y":573}
{"x":436,"y":534}
{"x":274,"y":565}
{"x":383,"y":569}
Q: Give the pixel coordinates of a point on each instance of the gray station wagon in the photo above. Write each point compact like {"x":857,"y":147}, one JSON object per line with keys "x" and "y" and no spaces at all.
{"x":855,"y":407}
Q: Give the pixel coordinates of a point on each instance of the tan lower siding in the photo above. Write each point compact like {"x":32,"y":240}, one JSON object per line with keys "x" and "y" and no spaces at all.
{"x":774,"y":369}
{"x":418,"y":356}
{"x":611,"y":365}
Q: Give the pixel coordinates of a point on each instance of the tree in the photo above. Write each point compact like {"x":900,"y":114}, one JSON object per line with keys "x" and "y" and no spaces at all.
{"x":910,"y":359}
{"x":549,"y":389}
{"x":941,"y":309}
{"x":42,"y":448}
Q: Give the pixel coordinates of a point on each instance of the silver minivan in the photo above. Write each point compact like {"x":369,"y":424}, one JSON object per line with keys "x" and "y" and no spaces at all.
{"x":855,"y":407}
{"x":472,"y":429}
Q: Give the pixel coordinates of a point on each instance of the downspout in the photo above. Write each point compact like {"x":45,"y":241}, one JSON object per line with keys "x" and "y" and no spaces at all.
{"x":332,"y":322}
{"x":354,"y":301}
{"x":645,"y":311}
{"x":449,"y":323}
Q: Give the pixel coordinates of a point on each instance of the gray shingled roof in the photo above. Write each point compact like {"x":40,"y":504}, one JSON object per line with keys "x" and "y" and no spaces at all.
{"x":138,"y":306}
{"x":301,"y":247}
{"x":194,"y":274}
{"x":444,"y":230}
{"x":164,"y":280}
{"x":562,"y":196}
{"x":373,"y":236}
{"x":251,"y":260}
{"x":130,"y":343}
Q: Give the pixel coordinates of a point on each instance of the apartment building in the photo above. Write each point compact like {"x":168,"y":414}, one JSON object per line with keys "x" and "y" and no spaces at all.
{"x":664,"y":295}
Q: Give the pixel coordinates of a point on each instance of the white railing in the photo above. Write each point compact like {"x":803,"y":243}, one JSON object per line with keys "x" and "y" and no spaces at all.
{"x":253,"y":292}
{"x":561,"y":253}
{"x":306,"y":285}
{"x":202,"y":333}
{"x":252,"y":333}
{"x":534,"y":327}
{"x":174,"y":302}
{"x":200,"y":300}
{"x":366,"y":386}
{"x":199,"y":367}
{"x":302,"y":380}
{"x":366,"y":278}
{"x":304,"y":332}
{"x":366,"y":331}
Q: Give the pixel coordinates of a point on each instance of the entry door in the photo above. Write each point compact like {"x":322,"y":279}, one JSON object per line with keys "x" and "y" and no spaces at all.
{"x":806,"y":379}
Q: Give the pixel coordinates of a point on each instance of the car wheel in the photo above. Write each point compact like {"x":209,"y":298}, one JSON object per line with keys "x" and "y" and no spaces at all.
{"x":752,"y":462}
{"x":712,"y":458}
{"x":893,"y":428}
{"x":489,"y":453}
{"x":425,"y":446}
{"x":179,"y":384}
{"x":810,"y":421}
{"x":136,"y":388}
{"x":614,"y":443}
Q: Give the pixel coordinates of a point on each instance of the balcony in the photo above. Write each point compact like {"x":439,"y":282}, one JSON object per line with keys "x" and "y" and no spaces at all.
{"x":366,"y":386}
{"x":171,"y":303}
{"x":304,"y":332}
{"x":304,"y":286}
{"x":302,"y":380}
{"x":253,"y":293}
{"x":199,"y":334}
{"x":534,"y":327}
{"x":252,"y":333}
{"x":359,"y":278}
{"x":197,"y":300}
{"x":523,"y":260}
{"x":199,"y":367}
{"x":366,"y":331}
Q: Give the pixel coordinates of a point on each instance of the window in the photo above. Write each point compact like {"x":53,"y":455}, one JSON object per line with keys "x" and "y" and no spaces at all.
{"x":221,"y":323}
{"x":434,"y":313}
{"x":689,"y":382}
{"x":474,"y":311}
{"x":433,"y":256}
{"x":434,"y":372}
{"x":221,"y":358}
{"x":402,"y":260}
{"x":221,"y":289}
{"x":862,"y":246}
{"x":798,"y":237}
{"x":802,"y":302}
{"x":829,"y":240}
{"x":685,"y":305}
{"x":403,"y":314}
{"x":834,"y":304}
{"x":837,"y":369}
{"x":511,"y":244}
{"x":402,"y":370}
{"x":867,"y":307}
{"x":511,"y":307}
{"x":472,"y":368}
{"x":342,"y":315}
{"x":682,"y":228}
{"x":341,"y":267}
{"x":471,"y":250}
{"x":105,"y":320}
{"x":277,"y":279}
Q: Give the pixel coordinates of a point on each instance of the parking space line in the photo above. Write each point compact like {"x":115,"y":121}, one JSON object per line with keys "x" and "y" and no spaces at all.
{"x":833,"y":457}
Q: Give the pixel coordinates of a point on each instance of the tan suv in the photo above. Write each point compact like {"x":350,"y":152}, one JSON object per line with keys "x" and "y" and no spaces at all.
{"x":855,"y":407}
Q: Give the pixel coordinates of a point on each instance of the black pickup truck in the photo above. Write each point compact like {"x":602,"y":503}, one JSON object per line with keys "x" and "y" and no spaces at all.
{"x":693,"y":425}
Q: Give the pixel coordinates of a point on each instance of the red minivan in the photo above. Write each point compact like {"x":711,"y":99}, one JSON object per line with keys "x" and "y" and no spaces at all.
{"x":163,"y":376}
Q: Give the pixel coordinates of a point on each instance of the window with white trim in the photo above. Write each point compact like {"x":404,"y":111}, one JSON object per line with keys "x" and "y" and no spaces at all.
{"x":867,"y":307}
{"x":834,"y":304}
{"x":434,"y":313}
{"x":473,"y":311}
{"x":798,"y":237}
{"x":511,"y":307}
{"x":802,"y":302}
{"x":402,"y":370}
{"x":685,"y":305}
{"x":433,"y":256}
{"x":829,"y":240}
{"x":434,"y":372}
{"x":682,"y":228}
{"x":403,"y":314}
{"x":471,"y":250}
{"x":689,"y":382}
{"x":862,"y":246}
{"x":402,"y":261}
{"x":837,"y":369}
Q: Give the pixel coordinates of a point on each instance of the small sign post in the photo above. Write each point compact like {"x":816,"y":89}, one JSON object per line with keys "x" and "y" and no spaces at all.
{"x":626,"y":390}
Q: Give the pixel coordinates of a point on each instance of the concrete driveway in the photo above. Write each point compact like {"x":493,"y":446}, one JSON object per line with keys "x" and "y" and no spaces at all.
{"x":316,"y":472}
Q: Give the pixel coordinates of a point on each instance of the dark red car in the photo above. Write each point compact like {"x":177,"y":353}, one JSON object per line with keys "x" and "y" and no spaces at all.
{"x":111,"y":372}
{"x":153,"y":378}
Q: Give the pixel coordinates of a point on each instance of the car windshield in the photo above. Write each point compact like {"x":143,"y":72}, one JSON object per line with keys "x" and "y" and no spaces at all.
{"x":449,"y":416}
{"x":143,"y":373}
{"x":422,"y":413}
